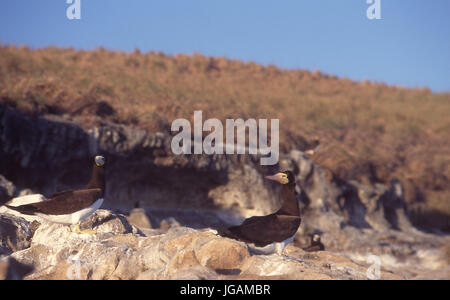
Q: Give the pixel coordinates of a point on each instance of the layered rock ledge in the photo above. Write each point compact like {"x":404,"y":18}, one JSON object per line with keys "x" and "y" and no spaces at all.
{"x":120,"y":250}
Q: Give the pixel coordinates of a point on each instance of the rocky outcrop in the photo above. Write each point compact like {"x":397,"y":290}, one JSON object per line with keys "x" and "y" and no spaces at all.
{"x":7,"y":190}
{"x":35,"y":152}
{"x":142,"y":169}
{"x":15,"y":234}
{"x":202,"y":192}
{"x":121,"y":251}
{"x":11,"y":269}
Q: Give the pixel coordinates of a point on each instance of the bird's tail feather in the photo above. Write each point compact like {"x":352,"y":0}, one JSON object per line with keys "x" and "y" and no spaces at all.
{"x":229,"y":233}
{"x":225,"y":233}
{"x":23,"y":209}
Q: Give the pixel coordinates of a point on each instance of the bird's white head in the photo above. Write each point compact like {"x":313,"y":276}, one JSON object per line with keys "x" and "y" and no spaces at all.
{"x":316,"y":238}
{"x":100,"y":161}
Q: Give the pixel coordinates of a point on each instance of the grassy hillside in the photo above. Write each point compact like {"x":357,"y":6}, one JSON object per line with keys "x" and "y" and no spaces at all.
{"x":368,"y":131}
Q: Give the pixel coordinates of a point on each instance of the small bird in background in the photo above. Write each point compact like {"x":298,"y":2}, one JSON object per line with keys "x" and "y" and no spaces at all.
{"x":316,"y":146}
{"x":271,"y":233}
{"x":70,"y":207}
{"x":316,"y":244}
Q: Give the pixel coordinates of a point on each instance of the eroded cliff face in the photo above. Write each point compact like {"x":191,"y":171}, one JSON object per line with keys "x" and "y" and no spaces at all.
{"x":48,"y":154}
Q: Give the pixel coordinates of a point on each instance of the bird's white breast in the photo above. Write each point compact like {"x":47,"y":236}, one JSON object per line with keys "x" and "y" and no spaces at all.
{"x":271,"y":248}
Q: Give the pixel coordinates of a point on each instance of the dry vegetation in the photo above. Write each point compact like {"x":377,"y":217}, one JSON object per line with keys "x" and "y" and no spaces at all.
{"x":368,"y":131}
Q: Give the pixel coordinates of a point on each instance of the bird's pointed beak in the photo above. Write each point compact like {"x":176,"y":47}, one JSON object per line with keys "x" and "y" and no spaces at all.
{"x":277,"y":177}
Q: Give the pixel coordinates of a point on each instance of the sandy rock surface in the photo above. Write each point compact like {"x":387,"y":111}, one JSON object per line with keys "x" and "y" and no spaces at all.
{"x":121,"y":251}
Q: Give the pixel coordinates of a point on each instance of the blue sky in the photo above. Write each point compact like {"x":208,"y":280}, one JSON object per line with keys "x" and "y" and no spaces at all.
{"x":409,"y":46}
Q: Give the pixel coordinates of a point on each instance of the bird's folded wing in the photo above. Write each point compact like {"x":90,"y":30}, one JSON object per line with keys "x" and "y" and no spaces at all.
{"x":288,"y":218}
{"x":267,"y":229}
{"x":290,"y":223}
{"x":57,"y":194}
{"x":258,"y":230}
{"x":255,"y":220}
{"x":67,"y":202}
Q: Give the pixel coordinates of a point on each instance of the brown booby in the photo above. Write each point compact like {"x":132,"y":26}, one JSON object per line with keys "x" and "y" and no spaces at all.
{"x":316,"y":244}
{"x":272,"y":232}
{"x":71,"y":207}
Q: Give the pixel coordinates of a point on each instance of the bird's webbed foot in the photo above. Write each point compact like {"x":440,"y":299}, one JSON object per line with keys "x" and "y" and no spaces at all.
{"x":86,"y":231}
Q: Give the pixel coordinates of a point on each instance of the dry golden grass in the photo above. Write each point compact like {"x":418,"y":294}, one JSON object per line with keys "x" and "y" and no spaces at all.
{"x":368,"y":131}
